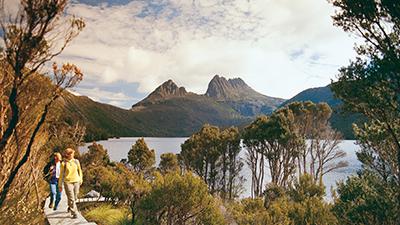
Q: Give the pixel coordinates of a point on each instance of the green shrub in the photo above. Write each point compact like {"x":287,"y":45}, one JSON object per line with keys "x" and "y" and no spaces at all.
{"x":108,"y":215}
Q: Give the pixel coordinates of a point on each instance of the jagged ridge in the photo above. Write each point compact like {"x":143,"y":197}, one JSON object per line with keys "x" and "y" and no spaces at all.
{"x":166,"y":90}
{"x":223,"y":89}
{"x":241,"y":97}
{"x":234,"y":93}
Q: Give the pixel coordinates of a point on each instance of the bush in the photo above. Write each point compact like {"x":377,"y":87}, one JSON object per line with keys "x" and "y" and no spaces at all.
{"x":108,"y":215}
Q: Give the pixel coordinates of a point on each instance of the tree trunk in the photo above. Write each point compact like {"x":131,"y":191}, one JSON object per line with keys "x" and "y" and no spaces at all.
{"x":25,"y":158}
{"x":133,"y":215}
{"x":14,"y":118}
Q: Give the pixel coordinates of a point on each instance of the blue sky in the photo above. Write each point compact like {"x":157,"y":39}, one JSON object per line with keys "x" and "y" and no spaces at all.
{"x":278,"y":47}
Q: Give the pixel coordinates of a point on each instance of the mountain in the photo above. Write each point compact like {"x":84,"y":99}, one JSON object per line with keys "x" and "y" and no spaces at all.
{"x":166,"y":91}
{"x":169,"y":111}
{"x":339,"y":120}
{"x":316,"y":95}
{"x":234,"y":94}
{"x":242,"y":98}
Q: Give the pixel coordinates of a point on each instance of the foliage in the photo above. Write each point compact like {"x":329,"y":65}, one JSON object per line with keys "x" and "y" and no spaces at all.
{"x":366,"y":199}
{"x":340,"y":120}
{"x":95,"y":156}
{"x":311,"y":122}
{"x":108,"y":215}
{"x":119,"y":185}
{"x":280,"y":141}
{"x":370,"y":85}
{"x":131,"y":188}
{"x":179,"y":199}
{"x":249,"y":211}
{"x":231,"y":164}
{"x":307,"y":205}
{"x":214,"y":156}
{"x":141,"y":157}
{"x":168,"y":163}
{"x":272,"y":192}
{"x":302,"y":204}
{"x":63,"y":136}
{"x":305,"y":188}
{"x":31,"y":37}
{"x":271,"y":139}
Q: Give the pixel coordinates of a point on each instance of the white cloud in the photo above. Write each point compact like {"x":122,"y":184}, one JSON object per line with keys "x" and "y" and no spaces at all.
{"x":113,"y":98}
{"x":191,"y":41}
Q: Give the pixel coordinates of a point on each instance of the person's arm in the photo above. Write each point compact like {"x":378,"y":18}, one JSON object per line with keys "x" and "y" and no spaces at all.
{"x":60,"y":178}
{"x":80,"y":172}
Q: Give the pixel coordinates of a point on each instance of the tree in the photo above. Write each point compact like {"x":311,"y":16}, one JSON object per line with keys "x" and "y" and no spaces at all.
{"x":209,"y":136}
{"x":168,"y":163}
{"x":370,"y":85}
{"x":141,"y":157}
{"x":281,"y":145}
{"x":95,"y":156}
{"x":64,"y":136}
{"x":301,"y":204}
{"x":201,"y":152}
{"x":254,"y":158}
{"x":115,"y":181}
{"x":322,"y":151}
{"x":179,"y":199}
{"x":280,"y":141}
{"x":306,"y":204}
{"x":274,"y":138}
{"x":231,"y":164}
{"x":214,"y":155}
{"x":366,"y":199}
{"x":130,"y":189}
{"x":32,"y":37}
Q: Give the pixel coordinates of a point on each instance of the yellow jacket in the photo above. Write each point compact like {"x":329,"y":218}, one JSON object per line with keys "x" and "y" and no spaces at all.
{"x":70,"y":172}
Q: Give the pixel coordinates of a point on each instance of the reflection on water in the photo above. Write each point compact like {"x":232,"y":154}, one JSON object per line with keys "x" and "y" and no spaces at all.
{"x":118,"y":149}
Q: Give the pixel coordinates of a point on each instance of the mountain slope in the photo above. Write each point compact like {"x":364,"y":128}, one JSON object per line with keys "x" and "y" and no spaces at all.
{"x":242,"y":98}
{"x":316,"y":95}
{"x":339,"y":120}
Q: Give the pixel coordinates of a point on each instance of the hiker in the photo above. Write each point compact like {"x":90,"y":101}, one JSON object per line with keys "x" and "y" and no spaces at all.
{"x":54,"y":174}
{"x":71,"y":177}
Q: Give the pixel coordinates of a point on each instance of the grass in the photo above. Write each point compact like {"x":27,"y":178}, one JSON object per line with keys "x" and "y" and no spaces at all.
{"x":107,"y":214}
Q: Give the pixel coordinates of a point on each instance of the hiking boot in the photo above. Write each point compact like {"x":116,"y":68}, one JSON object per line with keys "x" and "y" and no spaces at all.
{"x":55,"y":208}
{"x":51,"y":205}
{"x":74,"y":216}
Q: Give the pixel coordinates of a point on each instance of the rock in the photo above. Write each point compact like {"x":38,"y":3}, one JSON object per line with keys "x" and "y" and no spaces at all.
{"x":92,"y":194}
{"x":167,"y":90}
{"x":241,"y":97}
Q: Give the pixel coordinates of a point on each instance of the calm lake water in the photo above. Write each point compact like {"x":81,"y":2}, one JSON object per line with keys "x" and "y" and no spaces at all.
{"x":118,"y":149}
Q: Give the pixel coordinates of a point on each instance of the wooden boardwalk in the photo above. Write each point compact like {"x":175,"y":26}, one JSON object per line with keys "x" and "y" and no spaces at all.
{"x":61,"y":216}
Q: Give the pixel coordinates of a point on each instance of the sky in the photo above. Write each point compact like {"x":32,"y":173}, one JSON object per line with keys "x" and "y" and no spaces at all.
{"x":278,"y":47}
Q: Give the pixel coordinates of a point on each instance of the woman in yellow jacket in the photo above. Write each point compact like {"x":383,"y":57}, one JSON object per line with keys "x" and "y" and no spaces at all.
{"x":72,"y":178}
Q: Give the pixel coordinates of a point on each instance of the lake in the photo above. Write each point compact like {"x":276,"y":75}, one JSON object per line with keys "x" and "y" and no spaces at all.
{"x":118,"y":149}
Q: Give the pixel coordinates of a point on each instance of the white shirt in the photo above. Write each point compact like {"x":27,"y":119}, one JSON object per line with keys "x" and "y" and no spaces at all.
{"x":58,"y":167}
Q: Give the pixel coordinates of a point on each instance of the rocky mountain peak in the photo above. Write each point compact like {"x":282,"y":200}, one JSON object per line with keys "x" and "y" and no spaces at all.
{"x":166,"y":90}
{"x":221,"y":88}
